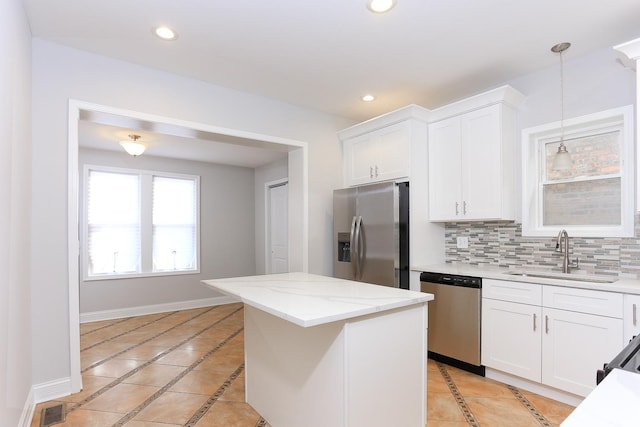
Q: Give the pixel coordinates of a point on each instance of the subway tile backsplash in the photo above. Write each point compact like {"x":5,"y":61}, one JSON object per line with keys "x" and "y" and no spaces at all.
{"x":501,"y":244}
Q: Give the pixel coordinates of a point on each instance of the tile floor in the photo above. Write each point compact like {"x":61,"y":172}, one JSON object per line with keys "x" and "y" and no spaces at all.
{"x":185,"y":368}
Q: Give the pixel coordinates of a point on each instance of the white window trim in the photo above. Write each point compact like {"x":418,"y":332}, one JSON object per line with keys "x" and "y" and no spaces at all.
{"x":622,"y":118}
{"x":146,"y":244}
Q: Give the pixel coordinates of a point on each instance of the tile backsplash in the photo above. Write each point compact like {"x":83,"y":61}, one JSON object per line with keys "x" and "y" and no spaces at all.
{"x":502,"y":244}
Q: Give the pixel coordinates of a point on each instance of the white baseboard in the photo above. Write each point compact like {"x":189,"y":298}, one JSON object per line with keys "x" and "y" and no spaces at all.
{"x":95,"y":316}
{"x":27,"y":411}
{"x":534,"y":387}
{"x":52,"y":390}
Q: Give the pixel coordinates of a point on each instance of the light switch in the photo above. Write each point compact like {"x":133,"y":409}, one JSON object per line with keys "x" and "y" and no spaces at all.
{"x":462,"y":242}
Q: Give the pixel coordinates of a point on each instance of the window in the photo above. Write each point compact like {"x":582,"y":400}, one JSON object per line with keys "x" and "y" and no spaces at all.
{"x":594,"y":198}
{"x":139,"y":223}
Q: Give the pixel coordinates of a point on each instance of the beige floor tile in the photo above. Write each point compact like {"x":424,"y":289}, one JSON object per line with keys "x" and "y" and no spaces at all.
{"x":121,"y":398}
{"x":155,"y":374}
{"x":172,"y":408}
{"x":471,"y":385}
{"x":226,"y":414}
{"x":143,"y":352}
{"x":440,"y":423}
{"x":500,"y":412}
{"x":181,"y":357}
{"x":84,"y":418}
{"x":90,"y":384}
{"x":114,"y":368}
{"x":443,"y":407}
{"x":556,"y":412}
{"x":200,"y":382}
{"x":236,"y":391}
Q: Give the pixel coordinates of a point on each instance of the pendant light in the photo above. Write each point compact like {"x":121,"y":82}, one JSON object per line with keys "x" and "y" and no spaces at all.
{"x":562,"y":160}
{"x":132,"y":146}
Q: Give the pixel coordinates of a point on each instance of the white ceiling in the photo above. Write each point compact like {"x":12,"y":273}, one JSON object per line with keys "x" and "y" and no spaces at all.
{"x":326,"y":55}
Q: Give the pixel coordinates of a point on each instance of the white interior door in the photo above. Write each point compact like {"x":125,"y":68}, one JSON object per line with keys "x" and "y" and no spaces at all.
{"x":277,"y":229}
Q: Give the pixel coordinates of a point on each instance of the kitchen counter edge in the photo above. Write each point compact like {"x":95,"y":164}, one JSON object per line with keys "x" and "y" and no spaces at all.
{"x":621,"y":285}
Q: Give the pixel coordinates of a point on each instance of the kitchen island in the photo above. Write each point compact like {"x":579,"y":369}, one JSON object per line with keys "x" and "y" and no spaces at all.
{"x":321,"y":351}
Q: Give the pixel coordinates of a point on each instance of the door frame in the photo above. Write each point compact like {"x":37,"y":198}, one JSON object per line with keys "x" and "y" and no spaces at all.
{"x":298,"y":164}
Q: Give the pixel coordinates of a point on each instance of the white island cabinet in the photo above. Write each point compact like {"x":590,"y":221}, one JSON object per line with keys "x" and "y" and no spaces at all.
{"x":321,"y":351}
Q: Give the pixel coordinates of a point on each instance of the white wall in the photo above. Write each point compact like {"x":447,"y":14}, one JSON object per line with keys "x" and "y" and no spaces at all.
{"x":592,"y":83}
{"x":15,"y":212}
{"x":273,"y":171}
{"x":60,"y":74}
{"x":226,"y":234}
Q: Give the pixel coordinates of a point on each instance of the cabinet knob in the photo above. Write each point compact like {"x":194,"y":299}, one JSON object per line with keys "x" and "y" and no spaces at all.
{"x":534,"y":322}
{"x":370,"y":171}
{"x":464,"y":208}
{"x":457,"y":210}
{"x":635,"y":315}
{"x":376,"y":171}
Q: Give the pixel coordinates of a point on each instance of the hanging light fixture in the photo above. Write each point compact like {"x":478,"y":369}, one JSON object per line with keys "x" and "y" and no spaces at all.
{"x":132,"y":146}
{"x":562,"y":160}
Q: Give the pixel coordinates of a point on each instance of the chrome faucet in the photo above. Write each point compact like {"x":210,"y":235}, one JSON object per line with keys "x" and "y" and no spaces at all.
{"x":563,"y":236}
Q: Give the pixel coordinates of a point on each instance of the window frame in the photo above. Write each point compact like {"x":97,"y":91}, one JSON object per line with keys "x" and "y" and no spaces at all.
{"x":146,"y":244}
{"x":533,"y":172}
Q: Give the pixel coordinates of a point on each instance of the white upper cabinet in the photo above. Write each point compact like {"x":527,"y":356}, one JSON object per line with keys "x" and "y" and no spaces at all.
{"x":379,"y":155}
{"x":471,"y":159}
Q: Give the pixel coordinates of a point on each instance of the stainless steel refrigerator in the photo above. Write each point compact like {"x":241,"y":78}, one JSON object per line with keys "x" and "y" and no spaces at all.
{"x":371,"y":234}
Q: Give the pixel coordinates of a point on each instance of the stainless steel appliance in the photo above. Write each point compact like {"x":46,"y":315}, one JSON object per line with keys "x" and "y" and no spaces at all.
{"x":628,"y":360}
{"x":454,"y":319}
{"x":371,"y":234}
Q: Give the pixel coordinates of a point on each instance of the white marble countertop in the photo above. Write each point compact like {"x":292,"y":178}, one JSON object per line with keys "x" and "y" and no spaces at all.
{"x":628,"y":286}
{"x":309,"y":300}
{"x":613,"y":403}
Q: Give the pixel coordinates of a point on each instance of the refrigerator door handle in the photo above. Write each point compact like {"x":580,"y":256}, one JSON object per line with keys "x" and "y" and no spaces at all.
{"x":354,"y":247}
{"x":360,"y":248}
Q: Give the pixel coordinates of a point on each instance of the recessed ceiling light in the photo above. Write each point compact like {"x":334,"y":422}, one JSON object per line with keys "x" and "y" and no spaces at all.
{"x":380,"y":6}
{"x":165,"y":33}
{"x":368,"y":98}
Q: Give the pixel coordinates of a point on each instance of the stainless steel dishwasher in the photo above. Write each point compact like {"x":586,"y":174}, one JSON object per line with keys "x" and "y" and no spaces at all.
{"x":454,"y":319}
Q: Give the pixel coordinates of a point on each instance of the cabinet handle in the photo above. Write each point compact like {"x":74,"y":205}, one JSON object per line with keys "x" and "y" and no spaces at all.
{"x":457,"y":211}
{"x":376,"y":171}
{"x":370,"y":171}
{"x":635,"y":315}
{"x":534,"y":322}
{"x":464,"y":208}
{"x":546,"y":324}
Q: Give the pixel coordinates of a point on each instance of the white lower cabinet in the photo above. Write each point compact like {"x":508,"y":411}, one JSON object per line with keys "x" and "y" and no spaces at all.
{"x":556,"y":346}
{"x":631,"y":316}
{"x":511,"y":338}
{"x":575,"y":346}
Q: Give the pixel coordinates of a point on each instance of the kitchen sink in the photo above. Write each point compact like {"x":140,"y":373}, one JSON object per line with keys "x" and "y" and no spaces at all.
{"x":563,"y":276}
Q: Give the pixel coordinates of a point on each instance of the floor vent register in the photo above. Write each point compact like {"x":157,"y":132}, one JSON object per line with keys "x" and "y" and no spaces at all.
{"x":53,"y":415}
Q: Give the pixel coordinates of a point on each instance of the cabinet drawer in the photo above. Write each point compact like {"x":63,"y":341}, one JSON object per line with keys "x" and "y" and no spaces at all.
{"x":506,"y":290}
{"x":583,"y":301}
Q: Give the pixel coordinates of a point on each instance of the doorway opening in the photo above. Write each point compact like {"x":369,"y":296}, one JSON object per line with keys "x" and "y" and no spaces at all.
{"x":297,"y":195}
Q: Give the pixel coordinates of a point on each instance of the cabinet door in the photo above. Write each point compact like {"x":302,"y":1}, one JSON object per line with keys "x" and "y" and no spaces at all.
{"x":444,"y":170}
{"x":575,"y":346}
{"x":359,"y":159}
{"x":511,"y":340}
{"x":481,"y":163}
{"x":379,"y":155}
{"x":392,"y":152}
{"x":631,"y":317}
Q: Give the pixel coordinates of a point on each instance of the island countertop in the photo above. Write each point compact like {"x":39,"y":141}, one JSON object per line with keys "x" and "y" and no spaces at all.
{"x":309,"y":300}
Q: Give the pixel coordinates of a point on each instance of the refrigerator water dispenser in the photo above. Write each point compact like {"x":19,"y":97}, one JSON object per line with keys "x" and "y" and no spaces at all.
{"x":344,"y":247}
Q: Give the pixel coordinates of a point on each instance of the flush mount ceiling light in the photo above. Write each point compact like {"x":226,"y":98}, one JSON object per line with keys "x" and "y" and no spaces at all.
{"x":132,"y":146}
{"x":562,"y":160}
{"x":380,"y":6}
{"x":368,"y":98}
{"x":165,"y":33}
